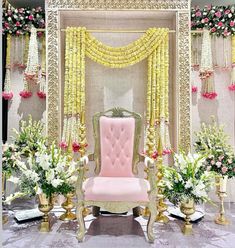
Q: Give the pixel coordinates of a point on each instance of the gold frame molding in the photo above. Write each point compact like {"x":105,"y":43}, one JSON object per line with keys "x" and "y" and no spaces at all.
{"x":182,"y":10}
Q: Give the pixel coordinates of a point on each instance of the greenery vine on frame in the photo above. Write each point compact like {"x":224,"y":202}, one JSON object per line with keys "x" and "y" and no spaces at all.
{"x":153,"y":45}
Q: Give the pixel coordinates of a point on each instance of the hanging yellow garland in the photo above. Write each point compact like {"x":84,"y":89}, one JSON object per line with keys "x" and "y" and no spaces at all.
{"x":152,"y":45}
{"x":232,"y":85}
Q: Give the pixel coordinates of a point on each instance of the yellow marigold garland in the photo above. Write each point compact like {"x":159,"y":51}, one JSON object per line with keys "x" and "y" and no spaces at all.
{"x":152,"y":45}
{"x":232,"y":85}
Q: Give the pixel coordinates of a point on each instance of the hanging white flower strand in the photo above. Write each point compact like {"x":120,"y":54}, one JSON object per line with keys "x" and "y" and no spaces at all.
{"x":7,"y":94}
{"x":42,"y":74}
{"x":206,"y":69}
{"x":232,"y":85}
{"x":32,"y":69}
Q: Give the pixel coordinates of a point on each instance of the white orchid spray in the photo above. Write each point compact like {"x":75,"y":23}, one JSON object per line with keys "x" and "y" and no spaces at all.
{"x":213,"y":142}
{"x":49,"y":171}
{"x":187,"y":179}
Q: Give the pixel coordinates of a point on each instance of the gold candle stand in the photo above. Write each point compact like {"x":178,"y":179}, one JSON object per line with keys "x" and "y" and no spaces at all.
{"x":221,"y":192}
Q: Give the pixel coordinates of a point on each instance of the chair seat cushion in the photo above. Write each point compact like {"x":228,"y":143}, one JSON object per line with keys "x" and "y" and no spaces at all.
{"x":128,"y":189}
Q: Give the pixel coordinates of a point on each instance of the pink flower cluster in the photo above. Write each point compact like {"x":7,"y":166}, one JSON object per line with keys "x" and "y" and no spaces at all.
{"x":25,"y":94}
{"x":195,"y":67}
{"x":231,"y":87}
{"x":205,"y":74}
{"x":218,"y":19}
{"x":7,"y":95}
{"x":63,"y":145}
{"x":166,"y":151}
{"x":18,"y":21}
{"x":41,"y":94}
{"x":210,"y":95}
{"x":76,"y":147}
{"x":194,"y":89}
{"x":30,"y":76}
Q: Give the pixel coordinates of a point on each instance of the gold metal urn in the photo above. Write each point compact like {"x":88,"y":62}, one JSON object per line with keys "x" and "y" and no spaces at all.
{"x":187,"y":208}
{"x":68,"y":205}
{"x":45,"y":206}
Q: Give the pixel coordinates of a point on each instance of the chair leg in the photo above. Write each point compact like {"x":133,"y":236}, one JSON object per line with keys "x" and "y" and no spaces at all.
{"x":81,"y":228}
{"x":136,"y":211}
{"x":151,"y":220}
{"x":95,"y":211}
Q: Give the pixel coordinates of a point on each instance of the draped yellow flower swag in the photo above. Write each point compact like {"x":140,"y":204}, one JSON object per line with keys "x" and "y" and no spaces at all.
{"x":153,"y":45}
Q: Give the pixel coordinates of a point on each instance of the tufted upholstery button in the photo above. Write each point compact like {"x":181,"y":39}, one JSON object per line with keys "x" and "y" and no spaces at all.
{"x":117,"y":140}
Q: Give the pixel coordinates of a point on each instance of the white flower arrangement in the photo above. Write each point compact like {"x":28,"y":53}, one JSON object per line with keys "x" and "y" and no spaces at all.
{"x":187,"y":179}
{"x":49,"y":171}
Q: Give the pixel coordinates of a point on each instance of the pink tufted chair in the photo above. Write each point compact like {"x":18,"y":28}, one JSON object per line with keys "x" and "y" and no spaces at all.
{"x":115,"y":186}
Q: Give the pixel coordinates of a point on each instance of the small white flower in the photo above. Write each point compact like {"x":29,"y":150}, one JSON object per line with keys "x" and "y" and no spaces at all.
{"x":60,"y":166}
{"x":73,"y":179}
{"x":72,"y":168}
{"x":14,"y":180}
{"x":38,"y":191}
{"x":43,"y":161}
{"x":218,"y":164}
{"x":230,"y":15}
{"x":21,"y":165}
{"x":189,"y":184}
{"x":50,"y":175}
{"x":199,"y":190}
{"x":56,"y":182}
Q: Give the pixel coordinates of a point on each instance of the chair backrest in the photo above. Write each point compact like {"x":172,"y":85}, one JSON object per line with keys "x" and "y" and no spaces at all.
{"x":117,"y":134}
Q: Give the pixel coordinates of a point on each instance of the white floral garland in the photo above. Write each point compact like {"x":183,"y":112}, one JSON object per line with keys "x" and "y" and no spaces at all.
{"x":206,"y":68}
{"x":32,"y":69}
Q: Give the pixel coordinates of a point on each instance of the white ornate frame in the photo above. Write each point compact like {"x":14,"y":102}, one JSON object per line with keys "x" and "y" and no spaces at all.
{"x":182,"y":10}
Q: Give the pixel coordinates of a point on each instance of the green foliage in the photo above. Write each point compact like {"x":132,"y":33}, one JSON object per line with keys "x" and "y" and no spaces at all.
{"x":187,"y":180}
{"x":30,"y":137}
{"x":47,"y":171}
{"x":212,"y":142}
{"x":9,"y":159}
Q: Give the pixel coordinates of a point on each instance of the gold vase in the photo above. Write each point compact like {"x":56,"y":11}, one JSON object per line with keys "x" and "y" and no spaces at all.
{"x":221,"y":186}
{"x":68,"y":205}
{"x":187,"y":208}
{"x":45,"y":206}
{"x":4,"y":215}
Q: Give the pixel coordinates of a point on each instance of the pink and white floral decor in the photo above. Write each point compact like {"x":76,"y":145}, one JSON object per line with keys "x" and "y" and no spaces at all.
{"x":206,"y":68}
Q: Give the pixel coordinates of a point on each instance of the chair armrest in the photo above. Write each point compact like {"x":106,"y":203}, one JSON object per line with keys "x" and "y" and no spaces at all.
{"x":91,"y":157}
{"x":81,"y":171}
{"x":141,"y":157}
{"x":151,"y":171}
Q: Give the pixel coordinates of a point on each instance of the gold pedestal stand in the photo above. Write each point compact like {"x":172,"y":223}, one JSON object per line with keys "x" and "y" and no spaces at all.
{"x":161,"y":207}
{"x":4,"y":216}
{"x":45,"y":206}
{"x":68,"y":205}
{"x":187,"y":208}
{"x":221,"y":219}
{"x":82,"y":150}
{"x":4,"y":219}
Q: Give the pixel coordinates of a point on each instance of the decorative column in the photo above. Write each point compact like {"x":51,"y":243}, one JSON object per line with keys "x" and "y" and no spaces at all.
{"x":52,"y":76}
{"x":183,"y":80}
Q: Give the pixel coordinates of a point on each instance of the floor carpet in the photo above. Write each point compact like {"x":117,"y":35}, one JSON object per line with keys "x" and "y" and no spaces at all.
{"x":119,"y":231}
